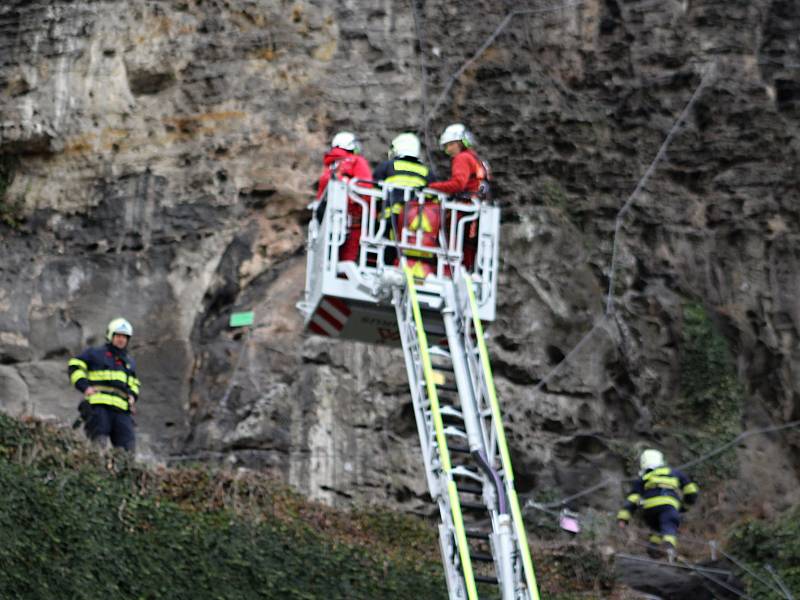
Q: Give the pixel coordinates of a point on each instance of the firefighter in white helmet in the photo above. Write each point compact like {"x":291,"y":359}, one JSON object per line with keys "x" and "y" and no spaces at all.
{"x":344,"y":162}
{"x":422,"y":220}
{"x":663,"y":493}
{"x":106,"y":376}
{"x":469,"y":178}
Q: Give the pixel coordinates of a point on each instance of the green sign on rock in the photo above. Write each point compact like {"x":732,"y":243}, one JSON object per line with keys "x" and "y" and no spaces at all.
{"x":241,"y":319}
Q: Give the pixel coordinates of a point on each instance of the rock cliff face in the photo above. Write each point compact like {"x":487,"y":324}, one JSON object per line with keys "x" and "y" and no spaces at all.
{"x":156,"y":159}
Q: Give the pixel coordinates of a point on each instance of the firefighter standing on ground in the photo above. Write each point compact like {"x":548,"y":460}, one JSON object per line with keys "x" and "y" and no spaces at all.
{"x":106,"y":376}
{"x":468,"y":176}
{"x":344,"y":161}
{"x":663,"y":493}
{"x":422,"y":219}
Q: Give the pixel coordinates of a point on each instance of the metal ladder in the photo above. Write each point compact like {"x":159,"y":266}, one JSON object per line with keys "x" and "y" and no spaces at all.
{"x":467,"y":464}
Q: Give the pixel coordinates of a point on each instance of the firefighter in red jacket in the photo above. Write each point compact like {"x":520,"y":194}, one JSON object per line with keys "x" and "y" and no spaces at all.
{"x":344,"y":161}
{"x":468,"y":177}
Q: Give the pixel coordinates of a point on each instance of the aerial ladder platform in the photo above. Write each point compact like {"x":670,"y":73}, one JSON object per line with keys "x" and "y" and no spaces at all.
{"x":438,"y":322}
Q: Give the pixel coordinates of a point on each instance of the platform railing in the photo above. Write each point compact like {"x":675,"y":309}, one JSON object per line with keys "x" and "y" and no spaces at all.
{"x":374,"y":198}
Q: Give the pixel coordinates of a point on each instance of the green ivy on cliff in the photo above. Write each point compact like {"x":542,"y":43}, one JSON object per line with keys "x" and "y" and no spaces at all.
{"x":775,"y":543}
{"x":711,"y":396}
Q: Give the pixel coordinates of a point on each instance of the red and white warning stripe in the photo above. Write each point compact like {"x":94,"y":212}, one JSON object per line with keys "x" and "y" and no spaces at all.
{"x":330,"y":317}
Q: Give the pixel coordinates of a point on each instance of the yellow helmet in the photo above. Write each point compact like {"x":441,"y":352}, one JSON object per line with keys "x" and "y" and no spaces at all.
{"x":118,"y":325}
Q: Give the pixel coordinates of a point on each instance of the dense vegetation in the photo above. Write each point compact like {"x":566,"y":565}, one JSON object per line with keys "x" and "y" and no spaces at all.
{"x":774,"y":544}
{"x":79,"y":523}
{"x":76,"y":523}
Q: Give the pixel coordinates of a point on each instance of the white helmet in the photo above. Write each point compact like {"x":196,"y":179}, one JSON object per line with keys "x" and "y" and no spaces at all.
{"x":405,"y":144}
{"x":119,"y":325}
{"x":347,"y":141}
{"x":456,"y":133}
{"x":651,"y":459}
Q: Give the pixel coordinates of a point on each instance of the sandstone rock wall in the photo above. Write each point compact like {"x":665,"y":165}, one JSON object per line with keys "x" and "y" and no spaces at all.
{"x":156,"y":159}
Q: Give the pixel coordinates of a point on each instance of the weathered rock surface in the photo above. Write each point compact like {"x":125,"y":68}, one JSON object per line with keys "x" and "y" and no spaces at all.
{"x":156,"y":159}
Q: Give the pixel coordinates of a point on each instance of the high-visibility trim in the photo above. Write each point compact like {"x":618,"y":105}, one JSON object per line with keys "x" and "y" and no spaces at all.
{"x":417,"y":253}
{"x":109,"y":375}
{"x":661,"y":501}
{"x":340,"y":305}
{"x":634,"y":498}
{"x":406,"y":180}
{"x":333,"y":311}
{"x":413,"y":167}
{"x":671,"y":483}
{"x":133,"y":384}
{"x":441,"y":440}
{"x":323,"y":325}
{"x":654,"y":538}
{"x":336,"y":324}
{"x":623,"y":515}
{"x":516,"y":513}
{"x":110,"y":399}
{"x":76,"y":375}
{"x":670,"y":539}
{"x":691,"y":488}
{"x":317,"y":329}
{"x":77,"y":362}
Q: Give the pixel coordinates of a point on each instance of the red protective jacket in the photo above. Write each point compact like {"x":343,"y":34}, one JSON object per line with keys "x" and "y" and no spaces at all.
{"x":466,"y":173}
{"x":345,"y":164}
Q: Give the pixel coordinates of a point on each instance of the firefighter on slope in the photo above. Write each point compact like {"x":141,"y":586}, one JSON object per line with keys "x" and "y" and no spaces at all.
{"x":663,"y":493}
{"x":106,"y":376}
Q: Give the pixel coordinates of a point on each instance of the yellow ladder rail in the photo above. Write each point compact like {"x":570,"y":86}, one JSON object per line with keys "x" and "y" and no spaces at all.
{"x":516,"y":513}
{"x":430,"y":384}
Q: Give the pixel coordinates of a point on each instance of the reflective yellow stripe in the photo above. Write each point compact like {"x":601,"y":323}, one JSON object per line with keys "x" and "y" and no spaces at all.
{"x":671,"y":539}
{"x":133,"y":384}
{"x":623,"y":515}
{"x":101,"y":398}
{"x":76,"y":375}
{"x":691,"y":488}
{"x":77,"y":362}
{"x":405,"y":165}
{"x":418,"y":253}
{"x":426,"y":222}
{"x":108,"y":376}
{"x":661,"y":501}
{"x":662,"y":482}
{"x":634,"y":498}
{"x":406,"y":180}
{"x":655,"y":538}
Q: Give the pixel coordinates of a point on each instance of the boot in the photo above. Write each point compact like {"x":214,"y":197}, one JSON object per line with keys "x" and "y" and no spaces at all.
{"x":669,"y":551}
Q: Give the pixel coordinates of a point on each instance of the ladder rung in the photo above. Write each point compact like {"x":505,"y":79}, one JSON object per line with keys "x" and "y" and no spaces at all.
{"x":447,"y":388}
{"x":486,"y":579}
{"x":473,"y":505}
{"x":438,"y":351}
{"x":459,"y":449}
{"x":465,"y":472}
{"x":449,"y":411}
{"x":454,"y":431}
{"x":468,"y":489}
{"x":477,"y":535}
{"x":480,"y":557}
